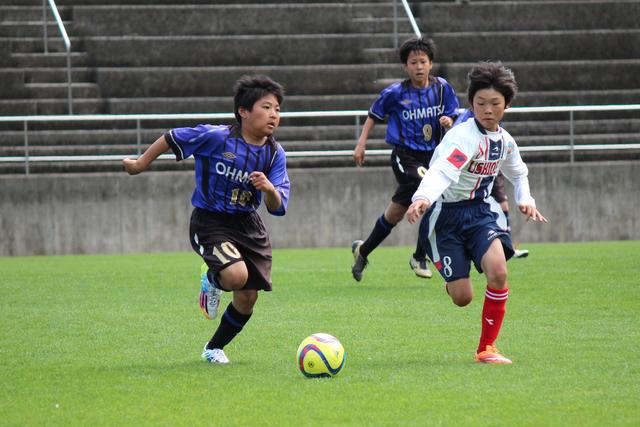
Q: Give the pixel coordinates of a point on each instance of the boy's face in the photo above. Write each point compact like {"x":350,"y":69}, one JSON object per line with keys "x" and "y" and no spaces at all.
{"x":418,"y":67}
{"x":263,"y":118}
{"x":488,"y":108}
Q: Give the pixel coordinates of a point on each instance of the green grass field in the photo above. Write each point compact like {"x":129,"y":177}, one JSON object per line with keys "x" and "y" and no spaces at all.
{"x":116,"y":340}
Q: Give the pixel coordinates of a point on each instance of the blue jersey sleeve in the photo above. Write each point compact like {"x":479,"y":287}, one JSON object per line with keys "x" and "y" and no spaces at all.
{"x":185,"y":142}
{"x":280,"y":180}
{"x":382,"y":106}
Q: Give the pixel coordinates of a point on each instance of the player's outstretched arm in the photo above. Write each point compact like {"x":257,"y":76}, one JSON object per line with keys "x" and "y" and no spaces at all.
{"x":358,"y":152}
{"x":142,"y":163}
{"x":271,"y":196}
{"x":417,"y":209}
{"x":532,"y":213}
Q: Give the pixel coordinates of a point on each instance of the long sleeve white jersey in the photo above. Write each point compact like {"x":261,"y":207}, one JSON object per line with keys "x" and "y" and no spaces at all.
{"x":466,"y":162}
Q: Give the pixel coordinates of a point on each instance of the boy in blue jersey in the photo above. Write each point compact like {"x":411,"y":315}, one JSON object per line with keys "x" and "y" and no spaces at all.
{"x":419,"y":110}
{"x":235,"y":168}
{"x":497,"y":192}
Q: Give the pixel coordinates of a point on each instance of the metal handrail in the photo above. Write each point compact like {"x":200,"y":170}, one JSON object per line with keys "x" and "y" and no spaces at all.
{"x":412,"y":20}
{"x":67,"y":44}
{"x":357,"y":114}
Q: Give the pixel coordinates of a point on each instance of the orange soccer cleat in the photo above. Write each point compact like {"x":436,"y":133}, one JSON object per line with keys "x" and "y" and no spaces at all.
{"x":491,"y":355}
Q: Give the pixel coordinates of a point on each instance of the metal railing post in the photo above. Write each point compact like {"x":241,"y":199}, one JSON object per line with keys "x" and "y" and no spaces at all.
{"x":412,"y":20}
{"x":571,"y":138}
{"x":357,"y":127}
{"x":67,"y":45}
{"x":395,"y":23}
{"x":138,"y":138}
{"x":45,"y":30}
{"x":26,"y":149}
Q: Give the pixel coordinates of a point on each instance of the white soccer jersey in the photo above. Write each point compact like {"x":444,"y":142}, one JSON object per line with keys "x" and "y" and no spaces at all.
{"x":466,"y":162}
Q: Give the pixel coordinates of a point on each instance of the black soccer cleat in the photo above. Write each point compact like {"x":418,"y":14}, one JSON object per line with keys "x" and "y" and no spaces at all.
{"x":359,"y":262}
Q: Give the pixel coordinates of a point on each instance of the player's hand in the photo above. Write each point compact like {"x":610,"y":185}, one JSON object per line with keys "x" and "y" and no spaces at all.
{"x":260,"y":181}
{"x":358,"y":154}
{"x":416,"y":210}
{"x":133,"y":167}
{"x":446,"y":122}
{"x":532,"y":213}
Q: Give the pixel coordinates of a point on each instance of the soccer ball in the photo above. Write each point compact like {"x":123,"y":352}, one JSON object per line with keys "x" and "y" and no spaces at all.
{"x":320,"y":355}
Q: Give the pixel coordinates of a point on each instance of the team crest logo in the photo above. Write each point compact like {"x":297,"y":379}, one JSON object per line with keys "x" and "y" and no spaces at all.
{"x":406,"y":102}
{"x":228,"y":155}
{"x":427,"y":131}
{"x":457,"y":158}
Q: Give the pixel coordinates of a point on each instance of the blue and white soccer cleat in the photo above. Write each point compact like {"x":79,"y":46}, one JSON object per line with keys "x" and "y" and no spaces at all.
{"x":209,"y":295}
{"x":215,"y":356}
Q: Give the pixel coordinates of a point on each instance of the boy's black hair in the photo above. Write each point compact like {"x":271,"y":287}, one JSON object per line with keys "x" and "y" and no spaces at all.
{"x":414,"y":44}
{"x":249,"y":89}
{"x":494,"y":75}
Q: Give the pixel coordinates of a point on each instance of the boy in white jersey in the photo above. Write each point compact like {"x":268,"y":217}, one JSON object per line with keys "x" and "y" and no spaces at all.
{"x":460,"y":225}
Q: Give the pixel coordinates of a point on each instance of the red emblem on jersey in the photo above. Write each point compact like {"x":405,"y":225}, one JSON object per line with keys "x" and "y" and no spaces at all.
{"x":457,"y":158}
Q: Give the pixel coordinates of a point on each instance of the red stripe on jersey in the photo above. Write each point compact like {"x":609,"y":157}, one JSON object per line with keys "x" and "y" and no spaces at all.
{"x":457,"y":158}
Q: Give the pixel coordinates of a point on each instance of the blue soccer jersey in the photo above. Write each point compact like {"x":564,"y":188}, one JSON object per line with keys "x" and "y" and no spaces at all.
{"x":223,"y":164}
{"x":413,"y":114}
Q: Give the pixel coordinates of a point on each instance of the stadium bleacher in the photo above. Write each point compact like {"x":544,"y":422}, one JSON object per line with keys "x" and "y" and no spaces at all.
{"x":134,"y":58}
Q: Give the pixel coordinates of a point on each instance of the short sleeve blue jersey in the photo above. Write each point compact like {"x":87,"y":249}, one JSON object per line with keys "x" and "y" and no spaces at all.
{"x":413,"y":114}
{"x":224,"y":162}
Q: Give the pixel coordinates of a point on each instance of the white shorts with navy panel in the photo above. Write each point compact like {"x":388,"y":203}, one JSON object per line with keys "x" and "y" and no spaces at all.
{"x":454,"y":234}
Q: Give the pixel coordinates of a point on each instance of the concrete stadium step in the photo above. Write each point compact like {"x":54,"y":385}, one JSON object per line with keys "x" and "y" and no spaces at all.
{"x":377,"y":25}
{"x":36,"y":44}
{"x":359,"y":78}
{"x":58,"y":75}
{"x":181,"y":20}
{"x":524,"y":15}
{"x":10,"y":11}
{"x":126,"y":3}
{"x":51,"y":59}
{"x":172,"y":105}
{"x":50,"y":106}
{"x":527,"y":46}
{"x":79,"y":90}
{"x":28,"y":28}
{"x":218,"y":51}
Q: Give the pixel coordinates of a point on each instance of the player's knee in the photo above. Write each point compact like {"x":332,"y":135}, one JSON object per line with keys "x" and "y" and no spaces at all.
{"x":497,"y":276}
{"x":234,"y":277}
{"x":462,"y":300}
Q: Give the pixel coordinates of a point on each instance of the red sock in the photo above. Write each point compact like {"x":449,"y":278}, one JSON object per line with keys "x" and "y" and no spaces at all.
{"x":495,"y":302}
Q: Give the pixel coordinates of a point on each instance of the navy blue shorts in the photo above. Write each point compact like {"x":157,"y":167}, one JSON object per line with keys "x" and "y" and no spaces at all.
{"x":454,"y":234}
{"x":409,"y":166}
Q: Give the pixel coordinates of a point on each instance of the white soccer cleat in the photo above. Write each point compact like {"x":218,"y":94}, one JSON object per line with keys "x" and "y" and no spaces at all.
{"x":420,"y":268}
{"x":520,"y":253}
{"x":215,"y":356}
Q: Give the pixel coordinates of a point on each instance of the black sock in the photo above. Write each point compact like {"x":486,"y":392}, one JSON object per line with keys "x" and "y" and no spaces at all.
{"x":420,"y":253}
{"x":231,"y":324}
{"x":380,"y":232}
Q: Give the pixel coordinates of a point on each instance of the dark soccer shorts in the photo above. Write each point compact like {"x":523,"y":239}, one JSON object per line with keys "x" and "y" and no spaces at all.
{"x":222,"y":240}
{"x":454,"y":234}
{"x":409,"y":166}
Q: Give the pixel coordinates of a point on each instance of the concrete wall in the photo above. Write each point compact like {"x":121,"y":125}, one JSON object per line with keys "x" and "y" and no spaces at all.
{"x":102,"y":213}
